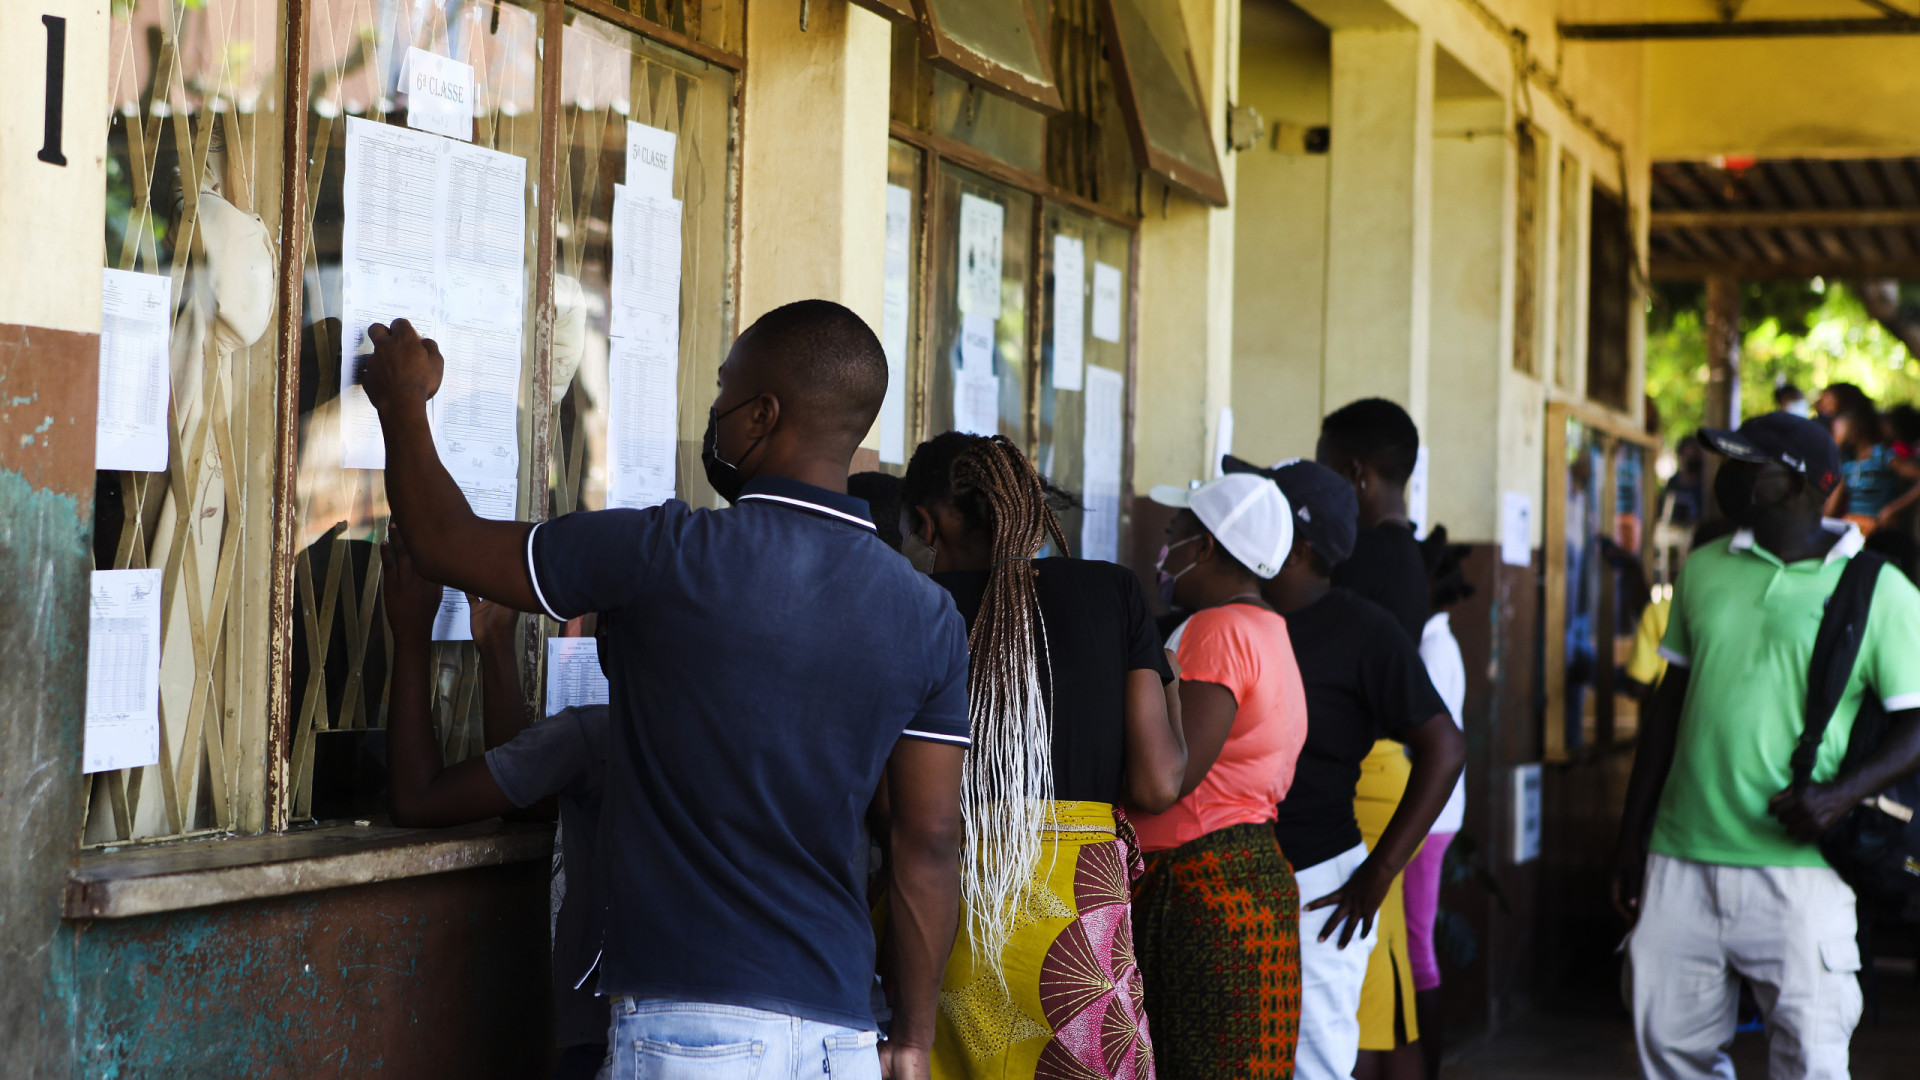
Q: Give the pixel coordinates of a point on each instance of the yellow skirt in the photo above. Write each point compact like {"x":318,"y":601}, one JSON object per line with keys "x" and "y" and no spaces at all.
{"x":1071,"y":1001}
{"x":1383,"y":780}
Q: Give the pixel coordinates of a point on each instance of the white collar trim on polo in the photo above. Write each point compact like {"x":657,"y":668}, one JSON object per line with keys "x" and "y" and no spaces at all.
{"x":1850,"y":542}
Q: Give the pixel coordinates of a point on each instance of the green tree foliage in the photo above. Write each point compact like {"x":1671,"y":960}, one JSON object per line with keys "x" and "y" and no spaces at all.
{"x":1809,"y":334}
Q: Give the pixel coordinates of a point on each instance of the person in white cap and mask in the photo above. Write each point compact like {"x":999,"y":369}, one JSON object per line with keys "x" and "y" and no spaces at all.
{"x":1224,"y":993}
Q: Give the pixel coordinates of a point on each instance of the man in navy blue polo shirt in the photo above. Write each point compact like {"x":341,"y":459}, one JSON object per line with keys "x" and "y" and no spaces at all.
{"x":768,"y":663}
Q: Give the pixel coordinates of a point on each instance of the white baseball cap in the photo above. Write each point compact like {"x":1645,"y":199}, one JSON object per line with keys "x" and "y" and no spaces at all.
{"x":1245,"y":512}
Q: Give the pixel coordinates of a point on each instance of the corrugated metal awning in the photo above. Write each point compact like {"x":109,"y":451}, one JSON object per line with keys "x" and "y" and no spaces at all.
{"x":1786,"y":217}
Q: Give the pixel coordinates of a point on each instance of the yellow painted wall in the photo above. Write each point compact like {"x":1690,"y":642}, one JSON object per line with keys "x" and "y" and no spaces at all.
{"x":1785,"y":97}
{"x":1186,"y":288}
{"x":50,"y":236}
{"x":1280,"y":245}
{"x":814,"y":160}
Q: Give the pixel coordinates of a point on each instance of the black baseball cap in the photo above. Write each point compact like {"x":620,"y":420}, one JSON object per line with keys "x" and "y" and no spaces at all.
{"x":1798,"y":443}
{"x":1325,"y":509}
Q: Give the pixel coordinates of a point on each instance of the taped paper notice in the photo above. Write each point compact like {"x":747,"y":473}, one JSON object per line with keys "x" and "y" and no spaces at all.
{"x":976,"y":389}
{"x":649,"y":161}
{"x":135,"y":325}
{"x":1069,"y":311}
{"x":1417,"y":495}
{"x":435,"y":233}
{"x":646,"y":267}
{"x":642,"y":429}
{"x":1101,"y":451}
{"x":895,"y":313}
{"x":983,"y":223}
{"x":574,"y":676}
{"x":1516,"y":528}
{"x":123,"y":671}
{"x":1106,"y":302}
{"x":439,"y":93}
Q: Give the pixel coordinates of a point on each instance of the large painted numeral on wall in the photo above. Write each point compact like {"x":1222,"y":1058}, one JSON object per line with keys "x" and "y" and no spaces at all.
{"x":56,"y":88}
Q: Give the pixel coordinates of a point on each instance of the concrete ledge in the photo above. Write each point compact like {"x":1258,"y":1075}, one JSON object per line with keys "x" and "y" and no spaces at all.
{"x":201,"y":873}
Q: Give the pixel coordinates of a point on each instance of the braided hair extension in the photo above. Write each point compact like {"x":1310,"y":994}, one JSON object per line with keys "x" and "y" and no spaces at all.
{"x":1006,"y":792}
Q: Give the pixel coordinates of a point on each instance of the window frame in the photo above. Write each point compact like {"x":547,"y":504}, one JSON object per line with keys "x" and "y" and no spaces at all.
{"x":944,"y":52}
{"x":1208,"y":188}
{"x":937,"y":151}
{"x":1612,"y":431}
{"x":279,"y":785}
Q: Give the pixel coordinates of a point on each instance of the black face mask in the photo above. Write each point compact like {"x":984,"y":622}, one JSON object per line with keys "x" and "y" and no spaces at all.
{"x":724,"y":477}
{"x":1733,"y":490}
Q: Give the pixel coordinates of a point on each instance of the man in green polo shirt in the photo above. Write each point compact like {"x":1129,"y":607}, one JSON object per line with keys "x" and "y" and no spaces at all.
{"x":1717,"y":860}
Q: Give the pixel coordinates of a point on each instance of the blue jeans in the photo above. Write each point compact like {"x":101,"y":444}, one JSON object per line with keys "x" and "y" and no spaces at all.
{"x":680,"y":1040}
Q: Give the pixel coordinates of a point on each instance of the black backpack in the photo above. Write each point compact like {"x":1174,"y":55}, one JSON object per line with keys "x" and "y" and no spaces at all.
{"x":1876,"y":846}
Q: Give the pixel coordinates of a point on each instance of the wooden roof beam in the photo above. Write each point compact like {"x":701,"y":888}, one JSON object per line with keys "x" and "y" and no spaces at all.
{"x":1829,"y":218}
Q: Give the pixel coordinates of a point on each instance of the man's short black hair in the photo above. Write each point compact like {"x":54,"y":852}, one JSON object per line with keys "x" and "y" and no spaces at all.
{"x":1377,"y":432}
{"x":822,"y":361}
{"x":1786,"y":392}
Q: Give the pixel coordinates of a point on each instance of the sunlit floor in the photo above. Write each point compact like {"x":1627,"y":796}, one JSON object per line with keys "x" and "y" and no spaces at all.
{"x":1594,"y":1041}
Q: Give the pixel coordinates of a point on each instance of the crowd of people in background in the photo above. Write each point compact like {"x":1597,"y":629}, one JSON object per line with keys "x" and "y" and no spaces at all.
{"x":890,"y":784}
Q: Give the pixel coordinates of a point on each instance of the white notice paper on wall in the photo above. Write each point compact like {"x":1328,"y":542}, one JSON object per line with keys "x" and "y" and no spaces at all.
{"x":645,"y":274}
{"x":123,"y":671}
{"x":1526,"y":812}
{"x":982,"y":224}
{"x":976,"y":389}
{"x":895,"y":312}
{"x":1222,"y":442}
{"x":1106,"y":302}
{"x":439,"y":93}
{"x":649,"y":161}
{"x":1516,"y":528}
{"x":1100,"y":453}
{"x":492,"y":498}
{"x":574,"y":676}
{"x":642,"y":421}
{"x":1417,"y":495}
{"x":435,"y":233}
{"x":1069,"y":310}
{"x":131,"y":428}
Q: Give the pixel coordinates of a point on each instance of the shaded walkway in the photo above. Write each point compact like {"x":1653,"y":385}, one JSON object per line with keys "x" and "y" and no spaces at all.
{"x":1590,"y":1039}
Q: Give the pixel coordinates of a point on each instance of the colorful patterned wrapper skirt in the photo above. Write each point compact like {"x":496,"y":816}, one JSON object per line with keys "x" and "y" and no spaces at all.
{"x":1217,"y":926}
{"x":1070,"y":1008}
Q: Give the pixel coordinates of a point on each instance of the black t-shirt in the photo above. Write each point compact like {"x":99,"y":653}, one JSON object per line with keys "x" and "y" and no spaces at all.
{"x":1098,"y":629}
{"x":1364,"y":682}
{"x":1386,"y":567}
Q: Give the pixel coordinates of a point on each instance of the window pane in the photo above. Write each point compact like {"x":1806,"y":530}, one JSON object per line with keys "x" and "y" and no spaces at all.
{"x":1609,"y":301}
{"x":995,"y":43}
{"x":193,"y":196}
{"x":900,"y":330}
{"x":357,"y":55}
{"x":1006,"y":362}
{"x":1583,"y":637}
{"x":1063,"y":439}
{"x":1566,"y":336}
{"x":1631,"y":580}
{"x":616,"y":86}
{"x":1160,"y":89}
{"x":1005,"y":129}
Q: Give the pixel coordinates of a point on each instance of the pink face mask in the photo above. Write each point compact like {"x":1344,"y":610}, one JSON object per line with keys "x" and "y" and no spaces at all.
{"x":1165,"y":579}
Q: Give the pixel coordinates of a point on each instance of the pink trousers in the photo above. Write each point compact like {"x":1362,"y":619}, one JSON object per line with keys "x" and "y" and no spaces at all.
{"x":1423,"y":900}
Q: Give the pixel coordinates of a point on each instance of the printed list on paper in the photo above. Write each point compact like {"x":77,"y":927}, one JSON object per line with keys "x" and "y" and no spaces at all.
{"x":123,"y":671}
{"x":1069,"y":310}
{"x":135,"y":325}
{"x":1106,"y":302}
{"x":435,"y":234}
{"x":643,"y":349}
{"x":983,"y":224}
{"x":1100,"y":455}
{"x":895,"y":312}
{"x":574,"y":676}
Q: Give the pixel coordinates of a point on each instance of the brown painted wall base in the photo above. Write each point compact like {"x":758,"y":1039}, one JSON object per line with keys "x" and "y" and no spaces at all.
{"x":444,"y":975}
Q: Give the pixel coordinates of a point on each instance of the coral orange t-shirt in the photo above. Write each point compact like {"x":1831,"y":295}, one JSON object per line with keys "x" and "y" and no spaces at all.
{"x":1245,"y":649}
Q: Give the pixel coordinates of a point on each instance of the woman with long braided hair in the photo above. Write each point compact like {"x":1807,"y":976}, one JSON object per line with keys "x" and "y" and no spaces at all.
{"x":1071,"y":718}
